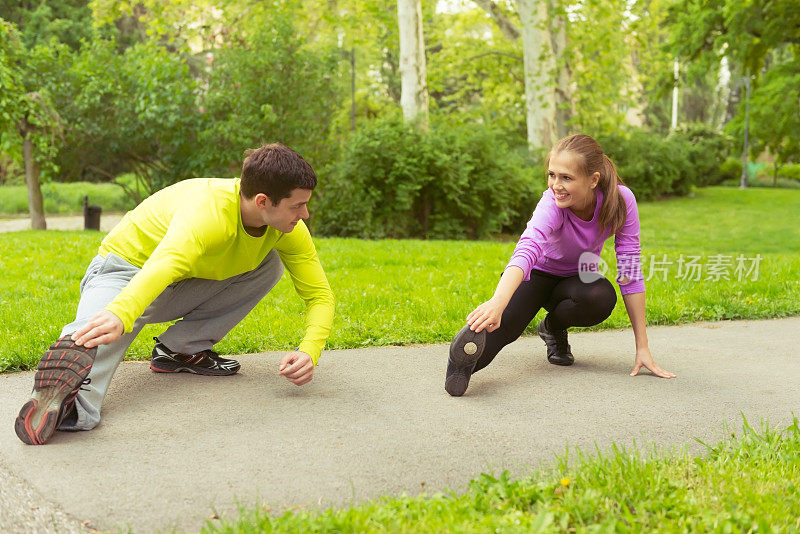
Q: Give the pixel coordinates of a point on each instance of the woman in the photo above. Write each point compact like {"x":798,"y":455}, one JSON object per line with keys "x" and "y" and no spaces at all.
{"x":555,"y":266}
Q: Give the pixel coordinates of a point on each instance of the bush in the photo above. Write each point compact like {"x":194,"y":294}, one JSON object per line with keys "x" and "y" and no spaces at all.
{"x":458,"y":181}
{"x":707,"y":151}
{"x":650,"y":164}
{"x":731,"y":169}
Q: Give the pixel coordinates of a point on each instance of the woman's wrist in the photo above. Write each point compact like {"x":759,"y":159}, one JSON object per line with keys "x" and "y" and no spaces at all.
{"x":500,"y":300}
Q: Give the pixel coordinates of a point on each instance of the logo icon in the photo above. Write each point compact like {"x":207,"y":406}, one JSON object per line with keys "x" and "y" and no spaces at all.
{"x":591,"y":267}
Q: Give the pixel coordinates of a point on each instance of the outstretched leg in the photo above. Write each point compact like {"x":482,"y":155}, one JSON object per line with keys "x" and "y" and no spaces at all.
{"x":472,"y":351}
{"x":71,"y":381}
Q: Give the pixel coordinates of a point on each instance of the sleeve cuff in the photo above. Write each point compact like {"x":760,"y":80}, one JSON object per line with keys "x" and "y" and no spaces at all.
{"x":636,"y":286}
{"x":522,"y":264}
{"x":312,"y":350}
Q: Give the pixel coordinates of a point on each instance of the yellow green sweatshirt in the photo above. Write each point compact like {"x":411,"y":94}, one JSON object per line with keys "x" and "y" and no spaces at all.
{"x":194,"y":229}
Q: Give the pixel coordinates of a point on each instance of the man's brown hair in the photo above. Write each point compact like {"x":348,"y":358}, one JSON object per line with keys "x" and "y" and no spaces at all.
{"x":275,"y":170}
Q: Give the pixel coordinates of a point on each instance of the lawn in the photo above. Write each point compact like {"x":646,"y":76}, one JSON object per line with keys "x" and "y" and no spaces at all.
{"x":401,"y":292}
{"x":67,"y":198}
{"x":747,"y":483}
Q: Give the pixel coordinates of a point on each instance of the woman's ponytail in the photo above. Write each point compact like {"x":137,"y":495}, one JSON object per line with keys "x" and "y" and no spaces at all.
{"x":614,"y":212}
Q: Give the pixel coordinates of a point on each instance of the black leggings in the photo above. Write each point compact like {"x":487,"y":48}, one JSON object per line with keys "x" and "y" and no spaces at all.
{"x":569,"y":301}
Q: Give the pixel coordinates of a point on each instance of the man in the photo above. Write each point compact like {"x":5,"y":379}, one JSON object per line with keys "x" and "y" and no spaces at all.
{"x":204,"y":251}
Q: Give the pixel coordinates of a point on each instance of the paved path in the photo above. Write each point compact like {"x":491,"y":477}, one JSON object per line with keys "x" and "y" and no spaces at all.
{"x":174,"y":448}
{"x":60,"y":222}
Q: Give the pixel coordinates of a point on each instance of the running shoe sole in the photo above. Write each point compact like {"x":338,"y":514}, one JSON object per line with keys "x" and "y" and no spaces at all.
{"x":175,"y":367}
{"x":59,"y":376}
{"x":465,"y":351}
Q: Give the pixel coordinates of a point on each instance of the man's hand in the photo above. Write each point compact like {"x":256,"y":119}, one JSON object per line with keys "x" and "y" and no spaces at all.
{"x":103,"y":329}
{"x":297,"y":367}
{"x":645,"y":359}
{"x":487,"y":316}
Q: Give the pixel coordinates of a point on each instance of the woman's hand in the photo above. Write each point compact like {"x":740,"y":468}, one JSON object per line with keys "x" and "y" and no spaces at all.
{"x":487,"y":316}
{"x":645,"y":359}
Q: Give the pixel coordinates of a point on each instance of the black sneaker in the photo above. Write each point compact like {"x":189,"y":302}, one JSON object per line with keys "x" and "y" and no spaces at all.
{"x":558,"y":351}
{"x":206,"y":362}
{"x":61,"y":372}
{"x":465,"y":350}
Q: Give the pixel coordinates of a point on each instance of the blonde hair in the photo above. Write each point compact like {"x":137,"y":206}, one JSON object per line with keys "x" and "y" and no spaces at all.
{"x":592,"y":159}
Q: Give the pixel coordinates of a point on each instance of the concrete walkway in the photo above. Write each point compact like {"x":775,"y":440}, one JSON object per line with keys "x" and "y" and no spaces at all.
{"x":173,"y":449}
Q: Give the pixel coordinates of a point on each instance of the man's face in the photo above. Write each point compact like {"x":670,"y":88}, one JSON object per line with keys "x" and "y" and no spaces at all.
{"x":285,"y":216}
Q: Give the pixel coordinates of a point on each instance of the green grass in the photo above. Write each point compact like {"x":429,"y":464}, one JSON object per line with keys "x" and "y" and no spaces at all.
{"x":401,"y":292}
{"x":63,"y":198}
{"x":747,"y":483}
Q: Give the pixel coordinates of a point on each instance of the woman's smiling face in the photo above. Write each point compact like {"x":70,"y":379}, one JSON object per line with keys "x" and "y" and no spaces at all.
{"x":571,"y":187}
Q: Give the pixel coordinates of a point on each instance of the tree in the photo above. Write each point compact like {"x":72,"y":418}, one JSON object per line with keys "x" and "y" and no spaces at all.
{"x":546,"y":74}
{"x":30,"y":121}
{"x":748,"y":31}
{"x":136,"y":110}
{"x":540,"y":94}
{"x":414,"y":96}
{"x":265,"y":85}
{"x":775,"y":115}
{"x":761,"y":37}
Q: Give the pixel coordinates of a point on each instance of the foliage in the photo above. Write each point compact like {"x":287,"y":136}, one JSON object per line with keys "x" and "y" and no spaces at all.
{"x":774,"y":114}
{"x":455,"y":182}
{"x":476,"y":72}
{"x":790,"y":171}
{"x":707,"y":151}
{"x":263,"y":87}
{"x":746,"y":483}
{"x":12,"y":89}
{"x":136,"y":110}
{"x":66,"y":21}
{"x":731,"y":169}
{"x":650,"y":164}
{"x":179,"y":88}
{"x":654,"y":165}
{"x":599,"y":57}
{"x":378,"y":283}
{"x":29,"y":78}
{"x":748,"y":31}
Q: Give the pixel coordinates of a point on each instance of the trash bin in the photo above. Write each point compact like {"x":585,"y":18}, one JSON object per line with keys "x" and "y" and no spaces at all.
{"x":91,"y":215}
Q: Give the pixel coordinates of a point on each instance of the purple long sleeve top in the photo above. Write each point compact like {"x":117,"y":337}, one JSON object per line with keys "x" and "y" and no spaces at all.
{"x":555,"y":239}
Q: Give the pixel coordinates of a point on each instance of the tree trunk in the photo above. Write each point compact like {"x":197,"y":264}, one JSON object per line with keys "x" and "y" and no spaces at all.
{"x":563,"y":80}
{"x":503,"y":22}
{"x":35,"y":201}
{"x":676,"y":73}
{"x":540,"y":98}
{"x":413,"y":73}
{"x":722,"y":93}
{"x":743,"y":181}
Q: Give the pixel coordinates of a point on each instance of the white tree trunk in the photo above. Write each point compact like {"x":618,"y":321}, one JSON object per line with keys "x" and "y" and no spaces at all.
{"x":674,"y":121}
{"x":540,"y":97}
{"x":723,"y":94}
{"x":413,"y":72}
{"x":563,"y":79}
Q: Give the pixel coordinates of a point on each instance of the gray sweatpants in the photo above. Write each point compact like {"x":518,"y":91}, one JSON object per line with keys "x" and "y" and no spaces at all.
{"x":207,"y":309}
